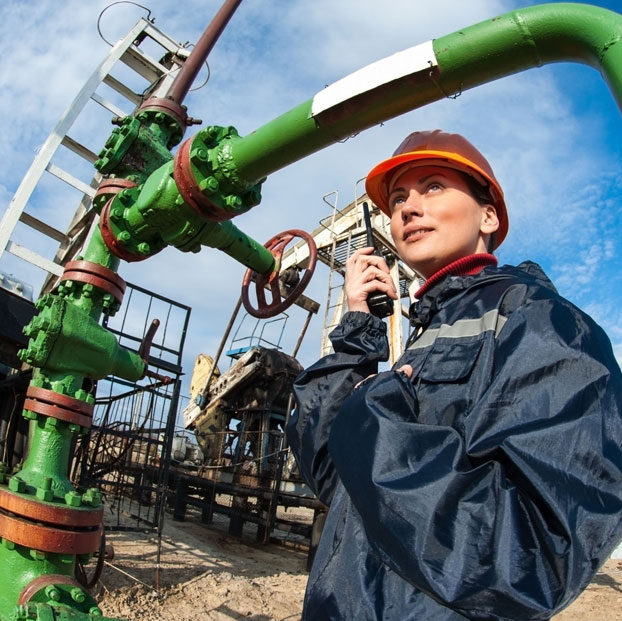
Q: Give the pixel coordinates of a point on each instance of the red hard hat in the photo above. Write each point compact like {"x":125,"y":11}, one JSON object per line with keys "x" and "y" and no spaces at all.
{"x":438,"y":148}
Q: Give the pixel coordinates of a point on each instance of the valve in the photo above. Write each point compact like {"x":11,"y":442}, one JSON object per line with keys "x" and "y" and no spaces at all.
{"x":273,"y":280}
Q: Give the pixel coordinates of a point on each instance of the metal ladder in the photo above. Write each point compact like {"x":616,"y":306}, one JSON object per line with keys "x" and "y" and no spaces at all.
{"x":338,"y":236}
{"x":159,"y":75}
{"x":337,"y":308}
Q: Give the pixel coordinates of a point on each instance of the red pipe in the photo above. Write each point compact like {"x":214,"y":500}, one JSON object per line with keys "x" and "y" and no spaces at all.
{"x":190,"y":69}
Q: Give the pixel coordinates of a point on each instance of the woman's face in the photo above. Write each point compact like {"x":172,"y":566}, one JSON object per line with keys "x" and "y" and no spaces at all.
{"x":435,"y":220}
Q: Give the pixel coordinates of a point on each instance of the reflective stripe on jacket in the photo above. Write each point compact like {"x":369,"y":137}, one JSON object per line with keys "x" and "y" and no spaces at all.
{"x":486,"y":487}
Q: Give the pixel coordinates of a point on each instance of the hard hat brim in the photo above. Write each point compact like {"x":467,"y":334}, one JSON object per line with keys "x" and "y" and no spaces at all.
{"x":378,"y":179}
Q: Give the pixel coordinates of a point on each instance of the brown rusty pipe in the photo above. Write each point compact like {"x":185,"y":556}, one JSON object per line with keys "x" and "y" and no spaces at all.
{"x":190,"y":69}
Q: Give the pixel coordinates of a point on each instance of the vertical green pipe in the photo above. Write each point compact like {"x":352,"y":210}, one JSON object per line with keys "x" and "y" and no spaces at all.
{"x":46,"y":466}
{"x":49,"y":442}
{"x":98,"y":252}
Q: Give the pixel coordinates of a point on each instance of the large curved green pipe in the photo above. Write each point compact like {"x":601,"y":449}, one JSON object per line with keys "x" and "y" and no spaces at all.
{"x":481,"y":53}
{"x":533,"y":37}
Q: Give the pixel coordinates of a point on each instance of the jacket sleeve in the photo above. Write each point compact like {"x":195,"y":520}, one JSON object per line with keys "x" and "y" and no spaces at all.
{"x":511,"y":516}
{"x":359,"y":342}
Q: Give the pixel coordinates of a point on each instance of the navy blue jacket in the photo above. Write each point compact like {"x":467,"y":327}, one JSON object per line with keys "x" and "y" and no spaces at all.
{"x":489,"y":486}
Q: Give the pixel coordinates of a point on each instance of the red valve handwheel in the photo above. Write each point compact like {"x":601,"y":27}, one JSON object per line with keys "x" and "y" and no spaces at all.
{"x":276,"y":246}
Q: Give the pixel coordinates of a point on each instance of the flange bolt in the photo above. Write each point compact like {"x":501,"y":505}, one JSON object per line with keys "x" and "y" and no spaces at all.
{"x":143,"y":248}
{"x":92,"y":497}
{"x":45,"y":491}
{"x":77,"y":595}
{"x":124,"y":237}
{"x":52,"y":593}
{"x":73,"y":498}
{"x":16,"y":484}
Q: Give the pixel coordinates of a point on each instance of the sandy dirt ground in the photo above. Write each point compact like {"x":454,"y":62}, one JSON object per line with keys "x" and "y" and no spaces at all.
{"x":205,"y":574}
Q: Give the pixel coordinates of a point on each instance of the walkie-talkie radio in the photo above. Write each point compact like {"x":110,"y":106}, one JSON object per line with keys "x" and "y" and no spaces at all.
{"x":380,"y":304}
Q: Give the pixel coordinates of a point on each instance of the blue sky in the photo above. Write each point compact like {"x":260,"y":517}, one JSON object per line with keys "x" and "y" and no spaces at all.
{"x":552,"y":135}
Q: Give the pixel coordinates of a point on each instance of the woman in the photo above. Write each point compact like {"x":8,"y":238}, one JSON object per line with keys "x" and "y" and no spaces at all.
{"x":481,"y":479}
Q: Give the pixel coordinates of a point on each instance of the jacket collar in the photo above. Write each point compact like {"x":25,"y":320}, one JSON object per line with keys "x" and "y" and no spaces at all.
{"x":448,"y":283}
{"x":465,"y":266}
{"x":439,"y":286}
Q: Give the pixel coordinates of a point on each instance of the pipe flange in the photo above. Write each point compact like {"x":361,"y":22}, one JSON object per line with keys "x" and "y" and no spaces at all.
{"x":117,"y":145}
{"x":58,"y":406}
{"x":47,"y":538}
{"x":53,"y":411}
{"x":115,"y":245}
{"x":56,"y":398}
{"x":201,"y":164}
{"x":167,"y":113}
{"x":189,"y":188}
{"x":52,"y":513}
{"x":40,"y":583}
{"x":108,"y":188}
{"x":97,"y":275}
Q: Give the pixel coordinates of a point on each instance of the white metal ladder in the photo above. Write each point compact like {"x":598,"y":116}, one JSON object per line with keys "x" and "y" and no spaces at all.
{"x":159,"y":77}
{"x":337,"y":237}
{"x":333,"y":311}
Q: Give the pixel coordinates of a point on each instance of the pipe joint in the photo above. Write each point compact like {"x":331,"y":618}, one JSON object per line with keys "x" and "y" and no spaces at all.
{"x":207,"y":178}
{"x":140,"y":145}
{"x":166,"y":118}
{"x":74,"y":343}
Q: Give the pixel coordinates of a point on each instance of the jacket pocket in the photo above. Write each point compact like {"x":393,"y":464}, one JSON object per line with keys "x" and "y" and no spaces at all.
{"x":451,"y":380}
{"x":449,"y":361}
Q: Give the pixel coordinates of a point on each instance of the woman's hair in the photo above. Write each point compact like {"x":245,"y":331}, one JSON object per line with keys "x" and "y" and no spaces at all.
{"x":482,"y":196}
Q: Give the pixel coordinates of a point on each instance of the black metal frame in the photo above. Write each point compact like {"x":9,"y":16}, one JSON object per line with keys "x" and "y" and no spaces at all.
{"x":133,"y":424}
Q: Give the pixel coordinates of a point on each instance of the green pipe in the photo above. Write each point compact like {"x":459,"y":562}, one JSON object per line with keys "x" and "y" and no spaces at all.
{"x":533,"y":37}
{"x":492,"y":49}
{"x":98,"y":252}
{"x":225,"y":236}
{"x":49,"y":451}
{"x":158,"y":217}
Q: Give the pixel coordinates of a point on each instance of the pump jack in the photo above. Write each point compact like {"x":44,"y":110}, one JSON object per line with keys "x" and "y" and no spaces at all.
{"x":150,"y":199}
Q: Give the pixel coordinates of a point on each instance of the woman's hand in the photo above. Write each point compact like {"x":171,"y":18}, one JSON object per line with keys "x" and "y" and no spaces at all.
{"x":406,"y":369}
{"x":366,"y":273}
